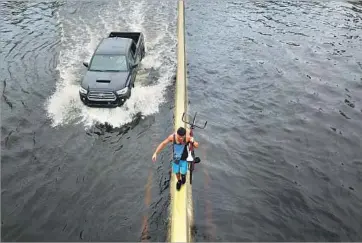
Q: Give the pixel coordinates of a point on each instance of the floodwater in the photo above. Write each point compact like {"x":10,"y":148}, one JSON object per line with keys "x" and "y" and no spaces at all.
{"x":67,"y":175}
{"x":279,"y":83}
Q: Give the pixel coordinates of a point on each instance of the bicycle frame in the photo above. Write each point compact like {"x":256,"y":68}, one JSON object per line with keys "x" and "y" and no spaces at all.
{"x":191,"y":147}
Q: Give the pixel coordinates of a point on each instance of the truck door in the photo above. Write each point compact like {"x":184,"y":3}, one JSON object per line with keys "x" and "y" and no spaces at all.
{"x":133,"y":52}
{"x":131,"y":62}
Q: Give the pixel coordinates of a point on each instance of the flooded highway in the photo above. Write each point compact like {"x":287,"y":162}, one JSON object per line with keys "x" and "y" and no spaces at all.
{"x":279,"y":83}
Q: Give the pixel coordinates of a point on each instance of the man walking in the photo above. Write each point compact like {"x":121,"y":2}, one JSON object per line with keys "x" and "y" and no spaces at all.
{"x":180,"y":141}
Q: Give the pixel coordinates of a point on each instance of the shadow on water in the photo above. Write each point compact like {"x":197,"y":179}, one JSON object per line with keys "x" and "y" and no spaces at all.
{"x":101,"y":129}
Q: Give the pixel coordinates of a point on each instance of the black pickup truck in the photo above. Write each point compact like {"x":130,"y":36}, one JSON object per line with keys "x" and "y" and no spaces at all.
{"x":112,"y":70}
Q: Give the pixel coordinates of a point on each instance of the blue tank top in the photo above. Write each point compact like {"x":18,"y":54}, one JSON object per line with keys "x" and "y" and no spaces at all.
{"x":179,"y":150}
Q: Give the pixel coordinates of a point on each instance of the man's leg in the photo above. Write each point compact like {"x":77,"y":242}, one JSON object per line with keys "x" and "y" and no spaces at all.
{"x":183,"y":179}
{"x":176,"y":170}
{"x":183,"y":170}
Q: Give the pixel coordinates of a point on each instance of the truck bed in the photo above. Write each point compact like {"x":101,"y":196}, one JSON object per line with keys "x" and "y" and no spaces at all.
{"x":135,"y":36}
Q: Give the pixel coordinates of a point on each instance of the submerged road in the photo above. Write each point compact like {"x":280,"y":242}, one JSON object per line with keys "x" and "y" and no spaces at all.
{"x":279,"y":83}
{"x":65,"y":174}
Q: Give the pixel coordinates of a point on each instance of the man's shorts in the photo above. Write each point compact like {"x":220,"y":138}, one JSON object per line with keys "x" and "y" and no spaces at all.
{"x":181,"y":167}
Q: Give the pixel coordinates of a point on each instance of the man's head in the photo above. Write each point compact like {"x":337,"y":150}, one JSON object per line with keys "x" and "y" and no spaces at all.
{"x":181,"y":132}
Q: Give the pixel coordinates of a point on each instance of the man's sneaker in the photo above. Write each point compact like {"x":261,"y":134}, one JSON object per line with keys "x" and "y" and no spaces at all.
{"x":183,"y":178}
{"x":178,"y":185}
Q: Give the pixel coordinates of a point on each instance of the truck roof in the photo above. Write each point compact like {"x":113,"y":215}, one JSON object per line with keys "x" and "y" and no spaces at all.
{"x":114,"y":45}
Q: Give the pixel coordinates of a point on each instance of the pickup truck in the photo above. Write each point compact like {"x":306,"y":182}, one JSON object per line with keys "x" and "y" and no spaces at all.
{"x":112,"y":70}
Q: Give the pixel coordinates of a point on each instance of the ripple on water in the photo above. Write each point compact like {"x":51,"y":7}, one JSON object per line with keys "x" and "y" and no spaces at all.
{"x":282,"y":103}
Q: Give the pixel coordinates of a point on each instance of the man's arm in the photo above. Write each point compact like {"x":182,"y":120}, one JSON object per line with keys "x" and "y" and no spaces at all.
{"x":188,"y":139}
{"x":161,"y":146}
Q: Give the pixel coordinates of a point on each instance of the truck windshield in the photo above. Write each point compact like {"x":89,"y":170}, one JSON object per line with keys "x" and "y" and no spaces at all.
{"x":108,"y":63}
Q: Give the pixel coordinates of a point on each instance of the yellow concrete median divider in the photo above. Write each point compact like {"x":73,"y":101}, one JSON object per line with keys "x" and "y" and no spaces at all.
{"x":181,"y":201}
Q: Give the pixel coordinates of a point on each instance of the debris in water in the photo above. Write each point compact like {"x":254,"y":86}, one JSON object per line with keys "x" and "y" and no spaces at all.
{"x":341,"y":112}
{"x":349,"y":103}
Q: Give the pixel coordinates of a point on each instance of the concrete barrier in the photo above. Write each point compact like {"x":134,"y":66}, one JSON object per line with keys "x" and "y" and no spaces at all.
{"x":181,"y":201}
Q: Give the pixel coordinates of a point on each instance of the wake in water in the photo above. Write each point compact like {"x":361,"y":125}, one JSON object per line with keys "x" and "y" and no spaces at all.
{"x":79,"y":39}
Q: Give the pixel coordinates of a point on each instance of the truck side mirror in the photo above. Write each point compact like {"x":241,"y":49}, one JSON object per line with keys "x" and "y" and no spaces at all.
{"x":86,"y":64}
